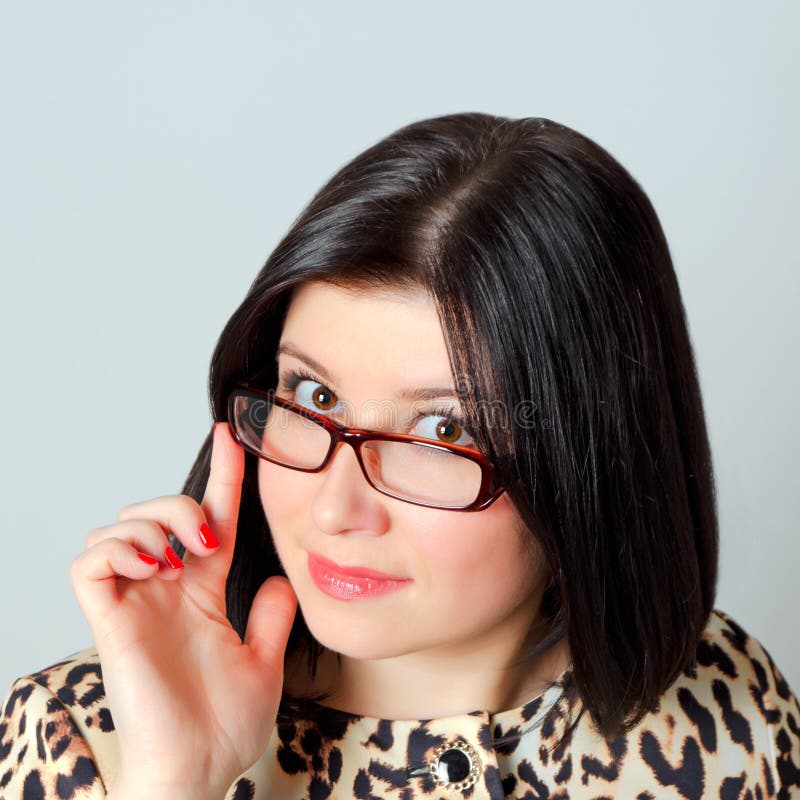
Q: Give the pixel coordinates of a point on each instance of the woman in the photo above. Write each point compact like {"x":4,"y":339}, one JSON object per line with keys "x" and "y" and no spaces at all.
{"x":505,"y":584}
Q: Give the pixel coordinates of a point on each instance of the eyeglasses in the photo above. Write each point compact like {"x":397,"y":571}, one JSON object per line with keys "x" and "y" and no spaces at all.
{"x":408,"y":468}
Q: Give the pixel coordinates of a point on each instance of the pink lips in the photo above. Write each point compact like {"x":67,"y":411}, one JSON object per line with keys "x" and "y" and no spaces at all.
{"x":350,"y":583}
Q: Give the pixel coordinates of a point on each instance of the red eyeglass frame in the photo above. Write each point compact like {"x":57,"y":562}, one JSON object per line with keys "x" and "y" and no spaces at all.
{"x":490,"y":488}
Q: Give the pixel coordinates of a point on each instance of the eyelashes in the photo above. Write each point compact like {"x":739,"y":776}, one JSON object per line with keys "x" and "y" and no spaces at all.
{"x":293,"y":376}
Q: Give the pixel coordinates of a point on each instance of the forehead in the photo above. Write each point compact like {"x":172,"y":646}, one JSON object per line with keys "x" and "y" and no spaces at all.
{"x":393,"y":335}
{"x":315,"y":293}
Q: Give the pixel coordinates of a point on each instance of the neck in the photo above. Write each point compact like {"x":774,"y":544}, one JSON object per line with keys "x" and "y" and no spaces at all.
{"x":447,"y":680}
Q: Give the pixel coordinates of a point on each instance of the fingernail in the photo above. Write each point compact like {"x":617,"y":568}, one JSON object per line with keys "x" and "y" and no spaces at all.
{"x":172,"y":558}
{"x":148,"y":559}
{"x":207,"y":537}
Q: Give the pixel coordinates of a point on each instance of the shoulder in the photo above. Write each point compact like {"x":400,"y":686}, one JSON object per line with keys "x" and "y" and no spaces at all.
{"x":741,"y":675}
{"x":728,"y":726}
{"x":56,"y":732}
{"x":724,"y":635}
{"x":752,"y":696}
{"x":729,"y":720}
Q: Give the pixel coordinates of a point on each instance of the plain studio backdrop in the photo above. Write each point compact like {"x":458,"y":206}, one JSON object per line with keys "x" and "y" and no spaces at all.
{"x":152,"y":156}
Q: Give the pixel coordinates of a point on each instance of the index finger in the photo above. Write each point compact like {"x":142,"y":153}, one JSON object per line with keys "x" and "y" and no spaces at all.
{"x":223,"y":494}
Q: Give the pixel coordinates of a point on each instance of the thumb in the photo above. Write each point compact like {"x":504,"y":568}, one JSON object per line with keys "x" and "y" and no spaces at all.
{"x":270,"y":622}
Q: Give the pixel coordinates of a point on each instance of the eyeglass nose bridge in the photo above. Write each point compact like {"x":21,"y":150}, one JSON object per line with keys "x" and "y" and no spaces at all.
{"x":355,"y":437}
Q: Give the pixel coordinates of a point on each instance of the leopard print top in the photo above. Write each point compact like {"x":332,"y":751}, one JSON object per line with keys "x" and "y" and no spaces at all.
{"x":729,"y":727}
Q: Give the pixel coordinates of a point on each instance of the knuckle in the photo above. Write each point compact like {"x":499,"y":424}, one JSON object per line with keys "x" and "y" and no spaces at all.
{"x":75,"y":567}
{"x":187,"y":505}
{"x":218,"y":476}
{"x":278,"y":611}
{"x":96,"y":535}
{"x":226,"y":522}
{"x":133,"y":510}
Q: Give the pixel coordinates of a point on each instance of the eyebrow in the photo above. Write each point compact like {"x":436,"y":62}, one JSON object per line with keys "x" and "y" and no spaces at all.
{"x":427,"y":393}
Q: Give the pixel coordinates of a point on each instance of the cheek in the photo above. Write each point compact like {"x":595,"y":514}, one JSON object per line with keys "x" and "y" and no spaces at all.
{"x":484,"y":559}
{"x":285,"y":508}
{"x":280,"y":493}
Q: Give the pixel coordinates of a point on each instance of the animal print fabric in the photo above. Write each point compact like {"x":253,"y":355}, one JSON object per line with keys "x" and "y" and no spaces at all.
{"x":728,"y":728}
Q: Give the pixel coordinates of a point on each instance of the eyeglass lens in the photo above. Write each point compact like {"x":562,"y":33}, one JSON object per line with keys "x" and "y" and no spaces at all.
{"x":406,"y":470}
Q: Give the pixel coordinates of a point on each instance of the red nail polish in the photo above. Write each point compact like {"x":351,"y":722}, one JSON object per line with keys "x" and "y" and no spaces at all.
{"x":148,"y":559}
{"x":172,"y":558}
{"x":207,"y":537}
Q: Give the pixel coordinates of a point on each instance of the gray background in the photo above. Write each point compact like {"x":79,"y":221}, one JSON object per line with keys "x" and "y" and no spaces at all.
{"x":153,"y":154}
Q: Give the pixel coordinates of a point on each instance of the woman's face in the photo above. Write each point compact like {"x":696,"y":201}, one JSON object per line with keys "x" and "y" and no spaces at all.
{"x":469,"y":573}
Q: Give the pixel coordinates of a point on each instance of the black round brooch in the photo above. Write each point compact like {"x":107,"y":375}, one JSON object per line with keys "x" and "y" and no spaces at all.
{"x":455,"y":765}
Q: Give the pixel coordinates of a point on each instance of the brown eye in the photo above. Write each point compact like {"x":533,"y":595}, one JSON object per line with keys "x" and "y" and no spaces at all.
{"x":309,"y":392}
{"x":442,"y":425}
{"x":449,"y":431}
{"x":321,"y":397}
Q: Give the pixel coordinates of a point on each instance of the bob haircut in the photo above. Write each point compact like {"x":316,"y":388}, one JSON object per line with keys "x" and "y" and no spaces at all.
{"x":555,"y":288}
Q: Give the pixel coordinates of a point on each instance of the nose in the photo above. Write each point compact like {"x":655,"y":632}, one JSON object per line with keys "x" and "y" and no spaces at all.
{"x":344,"y":500}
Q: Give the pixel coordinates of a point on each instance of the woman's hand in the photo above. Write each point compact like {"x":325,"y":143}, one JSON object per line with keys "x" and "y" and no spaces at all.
{"x":193,"y":705}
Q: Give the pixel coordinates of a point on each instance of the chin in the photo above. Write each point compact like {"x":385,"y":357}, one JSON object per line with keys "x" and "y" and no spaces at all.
{"x":368,"y":641}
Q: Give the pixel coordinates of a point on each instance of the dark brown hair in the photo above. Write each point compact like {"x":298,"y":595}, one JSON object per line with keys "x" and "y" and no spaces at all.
{"x":556,"y":292}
